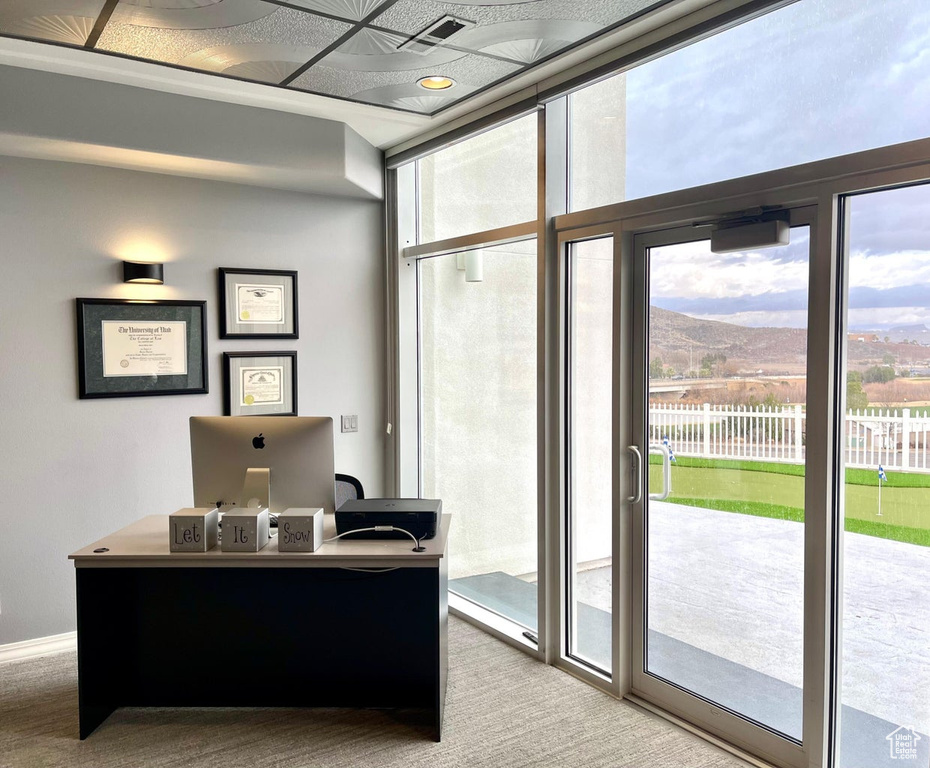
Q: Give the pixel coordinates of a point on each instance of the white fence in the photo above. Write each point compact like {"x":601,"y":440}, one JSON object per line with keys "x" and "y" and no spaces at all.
{"x":896,"y":439}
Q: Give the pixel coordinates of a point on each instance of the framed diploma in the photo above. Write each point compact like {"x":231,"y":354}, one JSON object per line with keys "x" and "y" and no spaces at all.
{"x":258,"y":303}
{"x":260,"y":383}
{"x":130,"y":348}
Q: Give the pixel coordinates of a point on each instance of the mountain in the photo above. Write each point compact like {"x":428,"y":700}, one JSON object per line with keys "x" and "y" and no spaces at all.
{"x":682,"y":341}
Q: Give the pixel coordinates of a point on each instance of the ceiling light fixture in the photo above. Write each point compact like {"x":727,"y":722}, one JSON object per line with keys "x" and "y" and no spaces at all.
{"x":436,"y":83}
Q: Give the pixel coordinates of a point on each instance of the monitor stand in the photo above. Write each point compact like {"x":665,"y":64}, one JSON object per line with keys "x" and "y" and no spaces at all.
{"x":256,"y":491}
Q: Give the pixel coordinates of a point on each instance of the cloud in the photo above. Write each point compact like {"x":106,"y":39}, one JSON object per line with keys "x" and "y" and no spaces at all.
{"x":812,"y":80}
{"x":690,"y":270}
{"x":889,"y":221}
{"x":770,"y":303}
{"x":795,"y":319}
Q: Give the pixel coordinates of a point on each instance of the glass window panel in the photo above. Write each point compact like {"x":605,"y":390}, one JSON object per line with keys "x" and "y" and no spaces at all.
{"x":590,"y":469}
{"x":886,"y":557}
{"x":727,"y":390}
{"x":815,"y":79}
{"x":485,"y":182}
{"x":478,"y":420}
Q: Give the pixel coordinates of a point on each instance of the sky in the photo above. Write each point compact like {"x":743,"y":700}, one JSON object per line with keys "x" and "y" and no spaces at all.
{"x":816,"y":79}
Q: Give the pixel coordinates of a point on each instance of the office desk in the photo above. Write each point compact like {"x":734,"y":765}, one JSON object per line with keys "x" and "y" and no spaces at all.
{"x":260,"y":629}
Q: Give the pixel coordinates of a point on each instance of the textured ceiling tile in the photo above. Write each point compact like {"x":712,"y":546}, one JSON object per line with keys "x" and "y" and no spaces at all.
{"x":189,"y":14}
{"x":525,"y":41}
{"x":412,"y":16}
{"x":399,"y":88}
{"x":375,"y":51}
{"x":274,"y":42}
{"x":354,"y":10}
{"x":59,"y":21}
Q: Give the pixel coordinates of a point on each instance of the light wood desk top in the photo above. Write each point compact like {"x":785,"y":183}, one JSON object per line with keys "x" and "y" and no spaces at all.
{"x":144,"y":544}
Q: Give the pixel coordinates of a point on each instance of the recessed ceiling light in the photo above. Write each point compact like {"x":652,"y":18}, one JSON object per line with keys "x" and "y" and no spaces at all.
{"x":436,"y":83}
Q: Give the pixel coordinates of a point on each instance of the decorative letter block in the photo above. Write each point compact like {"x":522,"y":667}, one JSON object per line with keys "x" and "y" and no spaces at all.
{"x":300,"y":529}
{"x":245,"y":529}
{"x":192,"y":529}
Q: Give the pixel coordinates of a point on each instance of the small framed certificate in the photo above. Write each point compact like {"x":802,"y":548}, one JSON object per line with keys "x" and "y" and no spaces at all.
{"x":258,"y":303}
{"x":131,"y":348}
{"x":260,"y":383}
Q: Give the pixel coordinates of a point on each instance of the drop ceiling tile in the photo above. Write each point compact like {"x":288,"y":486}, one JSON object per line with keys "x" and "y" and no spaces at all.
{"x":522,"y":31}
{"x":372,"y":50}
{"x":398,"y":87}
{"x":353,"y":10}
{"x":57,"y":21}
{"x":249,"y":39}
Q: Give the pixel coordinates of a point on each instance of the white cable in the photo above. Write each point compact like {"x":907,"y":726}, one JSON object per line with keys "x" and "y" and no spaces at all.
{"x":370,"y":570}
{"x":378,"y":528}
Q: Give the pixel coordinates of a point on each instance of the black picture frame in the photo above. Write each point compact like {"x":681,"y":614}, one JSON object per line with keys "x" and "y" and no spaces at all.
{"x":109,"y":373}
{"x":275,"y":376}
{"x":272,"y":292}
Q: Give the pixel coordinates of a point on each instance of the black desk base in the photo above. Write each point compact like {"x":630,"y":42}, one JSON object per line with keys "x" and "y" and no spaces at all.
{"x":261,"y":637}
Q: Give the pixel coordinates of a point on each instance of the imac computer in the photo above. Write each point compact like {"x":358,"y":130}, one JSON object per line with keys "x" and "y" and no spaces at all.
{"x":263,"y":461}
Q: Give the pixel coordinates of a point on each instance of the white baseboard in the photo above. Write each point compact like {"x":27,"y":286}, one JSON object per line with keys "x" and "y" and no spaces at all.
{"x":41,"y":646}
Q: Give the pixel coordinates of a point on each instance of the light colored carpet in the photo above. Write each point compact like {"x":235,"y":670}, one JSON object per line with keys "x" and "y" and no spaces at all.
{"x":503,"y":710}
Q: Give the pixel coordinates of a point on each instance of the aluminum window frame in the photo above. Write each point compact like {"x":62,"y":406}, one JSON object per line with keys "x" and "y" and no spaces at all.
{"x":824,"y":184}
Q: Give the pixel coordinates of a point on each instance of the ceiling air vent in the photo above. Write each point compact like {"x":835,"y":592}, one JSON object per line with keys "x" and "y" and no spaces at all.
{"x":435,"y":35}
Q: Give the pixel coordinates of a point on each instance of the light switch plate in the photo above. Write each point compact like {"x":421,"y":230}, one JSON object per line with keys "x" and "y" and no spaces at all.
{"x":350,"y":423}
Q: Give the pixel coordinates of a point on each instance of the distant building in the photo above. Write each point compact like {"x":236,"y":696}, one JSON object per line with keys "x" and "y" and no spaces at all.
{"x":871,"y":338}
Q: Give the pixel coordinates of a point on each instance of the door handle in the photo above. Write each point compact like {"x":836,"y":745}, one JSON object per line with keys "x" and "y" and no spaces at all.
{"x":637,"y":475}
{"x":666,"y":472}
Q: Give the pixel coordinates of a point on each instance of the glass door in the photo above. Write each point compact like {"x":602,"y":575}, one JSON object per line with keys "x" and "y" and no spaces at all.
{"x":719,"y":410}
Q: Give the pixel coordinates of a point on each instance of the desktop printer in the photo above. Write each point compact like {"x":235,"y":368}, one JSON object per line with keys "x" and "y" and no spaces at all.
{"x":418,"y":516}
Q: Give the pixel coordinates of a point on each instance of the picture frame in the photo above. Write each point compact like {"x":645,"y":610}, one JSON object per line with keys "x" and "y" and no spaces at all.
{"x":260,"y":383}
{"x":258,"y":303}
{"x":130,"y":348}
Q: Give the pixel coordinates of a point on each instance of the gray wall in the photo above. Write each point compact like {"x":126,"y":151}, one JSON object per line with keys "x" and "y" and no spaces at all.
{"x":75,"y":470}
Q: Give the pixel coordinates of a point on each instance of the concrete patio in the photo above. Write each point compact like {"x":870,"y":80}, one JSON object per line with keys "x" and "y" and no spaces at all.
{"x":726,"y":618}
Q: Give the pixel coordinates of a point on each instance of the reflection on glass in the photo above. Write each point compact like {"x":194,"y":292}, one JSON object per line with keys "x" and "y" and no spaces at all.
{"x":792,"y":86}
{"x":590,"y":476}
{"x":727,"y":374}
{"x":478,"y":420}
{"x":485,"y":182}
{"x":886,"y":550}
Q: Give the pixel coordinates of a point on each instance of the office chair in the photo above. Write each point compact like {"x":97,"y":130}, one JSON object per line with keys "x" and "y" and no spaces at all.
{"x":347,"y":487}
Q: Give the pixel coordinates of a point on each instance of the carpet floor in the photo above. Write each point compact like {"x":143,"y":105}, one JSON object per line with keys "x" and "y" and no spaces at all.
{"x":503,"y":710}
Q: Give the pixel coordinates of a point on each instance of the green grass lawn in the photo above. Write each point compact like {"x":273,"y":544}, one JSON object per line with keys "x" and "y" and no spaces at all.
{"x":775,"y":490}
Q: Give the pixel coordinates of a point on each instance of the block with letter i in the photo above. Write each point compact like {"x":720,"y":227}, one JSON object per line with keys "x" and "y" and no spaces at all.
{"x":192,"y":529}
{"x":300,"y":529}
{"x":245,"y":529}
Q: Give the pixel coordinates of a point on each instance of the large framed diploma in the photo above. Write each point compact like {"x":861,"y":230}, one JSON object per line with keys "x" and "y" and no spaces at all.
{"x":260,"y":383}
{"x":131,"y":348}
{"x":258,"y":303}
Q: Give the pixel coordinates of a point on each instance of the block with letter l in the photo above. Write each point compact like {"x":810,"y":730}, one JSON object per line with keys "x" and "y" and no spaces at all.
{"x":192,"y":529}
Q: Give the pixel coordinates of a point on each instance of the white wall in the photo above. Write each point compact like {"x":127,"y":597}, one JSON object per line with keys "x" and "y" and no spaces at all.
{"x":75,"y":470}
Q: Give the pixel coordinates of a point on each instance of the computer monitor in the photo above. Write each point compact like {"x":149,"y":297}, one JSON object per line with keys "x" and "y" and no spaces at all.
{"x":296,"y":451}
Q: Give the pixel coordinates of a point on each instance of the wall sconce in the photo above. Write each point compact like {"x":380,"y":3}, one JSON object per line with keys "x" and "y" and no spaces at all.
{"x":474,"y":267}
{"x":139,"y":272}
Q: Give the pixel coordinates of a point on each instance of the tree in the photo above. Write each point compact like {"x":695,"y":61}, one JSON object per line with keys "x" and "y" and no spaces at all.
{"x":711,"y":365}
{"x":856,"y":398}
{"x":878,"y":374}
{"x":656,"y":369}
{"x":888,"y":359}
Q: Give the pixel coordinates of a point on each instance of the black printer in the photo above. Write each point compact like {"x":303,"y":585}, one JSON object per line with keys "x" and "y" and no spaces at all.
{"x":418,"y":516}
